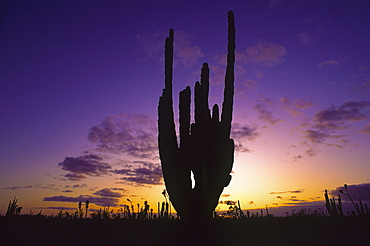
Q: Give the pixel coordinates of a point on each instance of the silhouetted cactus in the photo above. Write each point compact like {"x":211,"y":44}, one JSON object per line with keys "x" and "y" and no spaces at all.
{"x":205,"y":146}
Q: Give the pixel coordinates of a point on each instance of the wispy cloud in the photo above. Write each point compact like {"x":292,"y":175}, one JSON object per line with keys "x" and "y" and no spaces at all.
{"x":362,"y":87}
{"x":35,"y":186}
{"x":289,"y":198}
{"x":243,"y":88}
{"x":314,"y":26}
{"x":186,"y":52}
{"x":327,"y":122}
{"x":131,"y":134}
{"x":297,"y":158}
{"x":266,"y":54}
{"x":348,"y":111}
{"x":316,"y":136}
{"x":331,"y":127}
{"x":295,"y":106}
{"x":264,"y":111}
{"x":289,"y":191}
{"x":241,"y":134}
{"x":128,"y":135}
{"x":366,"y":129}
{"x":309,"y":37}
{"x":327,"y":64}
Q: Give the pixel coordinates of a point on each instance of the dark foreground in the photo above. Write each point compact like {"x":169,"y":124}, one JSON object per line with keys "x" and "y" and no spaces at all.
{"x":254,"y":231}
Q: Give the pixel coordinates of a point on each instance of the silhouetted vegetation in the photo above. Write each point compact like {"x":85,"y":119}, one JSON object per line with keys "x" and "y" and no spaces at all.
{"x":205,"y":148}
{"x":336,"y":208}
{"x":139,"y":225}
{"x":13,"y":208}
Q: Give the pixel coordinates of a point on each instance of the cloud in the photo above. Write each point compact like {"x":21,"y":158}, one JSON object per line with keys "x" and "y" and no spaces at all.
{"x":144,"y":174}
{"x":295,"y":106}
{"x":131,"y":134}
{"x":328,"y":123}
{"x":327,"y":64}
{"x":186,"y":52}
{"x":266,"y":54}
{"x":309,"y":37}
{"x":74,"y":176}
{"x":312,"y":33}
{"x":241,"y":133}
{"x":134,"y":135}
{"x":348,"y":111}
{"x":363,"y":88}
{"x":290,"y":191}
{"x":91,"y":165}
{"x":361,"y":191}
{"x":366,"y":129}
{"x":79,"y":186}
{"x":106,"y":192}
{"x":100,"y":201}
{"x":244,"y":88}
{"x":311,"y":152}
{"x":296,"y":158}
{"x":35,"y":186}
{"x":316,"y":136}
{"x":337,"y":117}
{"x":264,"y":113}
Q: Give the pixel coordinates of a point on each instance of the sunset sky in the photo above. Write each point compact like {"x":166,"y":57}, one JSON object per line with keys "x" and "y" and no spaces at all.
{"x":80,"y":82}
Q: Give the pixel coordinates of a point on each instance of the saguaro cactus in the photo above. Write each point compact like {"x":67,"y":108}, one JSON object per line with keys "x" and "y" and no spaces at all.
{"x":205,"y":147}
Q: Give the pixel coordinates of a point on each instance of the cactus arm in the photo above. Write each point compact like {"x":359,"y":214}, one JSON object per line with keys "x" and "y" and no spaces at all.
{"x":167,"y":141}
{"x":184,"y":109}
{"x":185,"y":141}
{"x":227,"y":105}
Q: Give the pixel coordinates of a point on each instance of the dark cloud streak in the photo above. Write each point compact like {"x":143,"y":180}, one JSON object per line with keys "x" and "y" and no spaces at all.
{"x":145,"y":174}
{"x":106,"y":192}
{"x":284,"y":192}
{"x":91,"y":165}
{"x":360,"y":191}
{"x":100,"y":201}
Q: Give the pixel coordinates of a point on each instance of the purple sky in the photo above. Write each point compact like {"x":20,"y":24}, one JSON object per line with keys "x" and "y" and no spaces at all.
{"x":80,"y":82}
